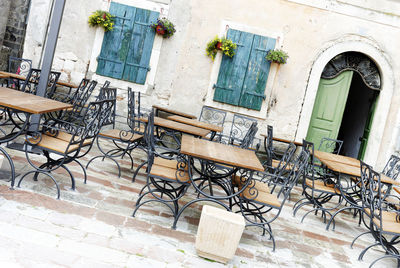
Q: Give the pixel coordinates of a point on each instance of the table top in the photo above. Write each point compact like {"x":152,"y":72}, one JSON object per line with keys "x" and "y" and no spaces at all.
{"x":29,"y":103}
{"x":171,"y":111}
{"x":283,"y":140}
{"x":21,"y":77}
{"x":221,"y":153}
{"x":337,"y":158}
{"x":195,"y":123}
{"x":162,"y":122}
{"x":353,"y":170}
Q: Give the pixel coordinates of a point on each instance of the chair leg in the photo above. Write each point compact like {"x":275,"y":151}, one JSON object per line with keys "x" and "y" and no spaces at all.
{"x":83,"y":169}
{"x":45,"y":173}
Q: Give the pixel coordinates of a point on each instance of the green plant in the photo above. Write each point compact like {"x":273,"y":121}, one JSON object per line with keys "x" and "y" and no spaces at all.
{"x":224,"y":44}
{"x":103,"y":19}
{"x":164,"y":27}
{"x":277,"y":55}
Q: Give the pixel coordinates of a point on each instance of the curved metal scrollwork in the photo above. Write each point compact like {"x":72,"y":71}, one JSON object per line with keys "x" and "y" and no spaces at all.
{"x":354,"y":61}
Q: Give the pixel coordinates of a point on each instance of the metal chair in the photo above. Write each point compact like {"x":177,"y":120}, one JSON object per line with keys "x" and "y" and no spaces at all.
{"x":64,"y":142}
{"x":266,"y":194}
{"x":71,"y":97}
{"x":383,"y":217}
{"x":319,"y":187}
{"x":32,"y":81}
{"x":167,"y":178}
{"x":124,"y":139}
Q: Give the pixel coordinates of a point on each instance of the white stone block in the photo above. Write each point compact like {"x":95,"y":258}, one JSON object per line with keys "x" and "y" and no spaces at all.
{"x":218,"y":234}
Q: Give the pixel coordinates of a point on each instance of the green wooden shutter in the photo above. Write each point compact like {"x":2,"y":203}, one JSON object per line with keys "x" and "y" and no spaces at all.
{"x":233,"y":70}
{"x":257,"y":72}
{"x":111,"y":60}
{"x":138,"y":58}
{"x":126,"y":50}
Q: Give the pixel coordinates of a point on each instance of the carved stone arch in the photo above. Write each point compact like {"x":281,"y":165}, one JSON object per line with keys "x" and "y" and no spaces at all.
{"x":357,"y":62}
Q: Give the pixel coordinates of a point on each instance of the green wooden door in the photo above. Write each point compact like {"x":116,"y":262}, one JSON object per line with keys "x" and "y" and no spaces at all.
{"x":367,"y":129}
{"x":329,"y":107}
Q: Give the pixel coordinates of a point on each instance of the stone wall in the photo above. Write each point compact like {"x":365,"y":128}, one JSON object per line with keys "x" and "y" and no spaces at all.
{"x":13,"y":16}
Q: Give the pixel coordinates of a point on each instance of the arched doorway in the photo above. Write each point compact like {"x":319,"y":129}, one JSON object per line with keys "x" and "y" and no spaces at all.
{"x":344,"y":106}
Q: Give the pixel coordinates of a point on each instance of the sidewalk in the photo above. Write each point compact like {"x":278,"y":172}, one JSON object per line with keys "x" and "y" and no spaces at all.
{"x":93,"y":227}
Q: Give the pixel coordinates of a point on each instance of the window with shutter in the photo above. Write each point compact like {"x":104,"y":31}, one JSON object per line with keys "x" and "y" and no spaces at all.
{"x":243,"y":78}
{"x":126,"y":50}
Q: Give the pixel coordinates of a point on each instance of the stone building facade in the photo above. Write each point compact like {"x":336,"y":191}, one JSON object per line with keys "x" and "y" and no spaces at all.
{"x":313,"y":32}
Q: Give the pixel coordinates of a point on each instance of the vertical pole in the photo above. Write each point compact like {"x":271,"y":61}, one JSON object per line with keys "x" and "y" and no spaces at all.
{"x":51,"y":43}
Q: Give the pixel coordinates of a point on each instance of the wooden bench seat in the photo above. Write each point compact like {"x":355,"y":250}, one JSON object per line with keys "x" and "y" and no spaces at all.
{"x":62,"y":135}
{"x":167,"y":169}
{"x":260,"y":195}
{"x":54,"y":144}
{"x":319,"y":185}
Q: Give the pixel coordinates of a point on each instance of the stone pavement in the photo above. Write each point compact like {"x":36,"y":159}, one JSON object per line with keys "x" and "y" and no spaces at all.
{"x":92,"y":227}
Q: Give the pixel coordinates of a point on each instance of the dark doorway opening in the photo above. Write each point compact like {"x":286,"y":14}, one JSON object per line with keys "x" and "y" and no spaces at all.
{"x":356,"y":116}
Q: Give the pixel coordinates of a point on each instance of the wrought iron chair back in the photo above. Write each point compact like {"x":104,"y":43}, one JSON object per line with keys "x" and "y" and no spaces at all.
{"x":248,"y":139}
{"x":135,"y":111}
{"x":80,"y":91}
{"x":107,"y":93}
{"x":240,"y":126}
{"x":212,"y":116}
{"x":285,"y":161}
{"x":19,"y":65}
{"x":79,"y":101}
{"x":392,"y":167}
{"x":32,"y":81}
{"x":330,"y":145}
{"x":106,"y":83}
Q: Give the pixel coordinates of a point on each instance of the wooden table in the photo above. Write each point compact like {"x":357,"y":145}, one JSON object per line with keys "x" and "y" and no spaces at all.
{"x":220,"y":153}
{"x":283,"y":140}
{"x":21,"y":77}
{"x":184,"y":128}
{"x":195,"y":123}
{"x":348,"y":167}
{"x":337,"y":158}
{"x":171,"y":111}
{"x":29,"y":103}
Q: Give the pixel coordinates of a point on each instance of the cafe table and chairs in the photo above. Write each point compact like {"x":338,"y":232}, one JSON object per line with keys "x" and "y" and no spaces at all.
{"x":24,"y":104}
{"x":63,"y":142}
{"x":169,"y":134}
{"x":211,"y":166}
{"x":345,"y":181}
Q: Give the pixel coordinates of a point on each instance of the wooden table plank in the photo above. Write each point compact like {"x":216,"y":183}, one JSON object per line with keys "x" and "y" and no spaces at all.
{"x":184,"y":128}
{"x":195,"y":123}
{"x":171,"y":111}
{"x":21,"y":77}
{"x":221,"y":153}
{"x":29,"y":103}
{"x":337,"y":158}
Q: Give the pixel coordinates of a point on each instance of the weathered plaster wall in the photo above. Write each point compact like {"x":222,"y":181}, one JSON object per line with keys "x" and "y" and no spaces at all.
{"x":182,"y":75}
